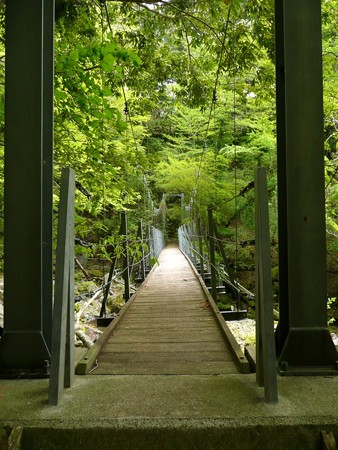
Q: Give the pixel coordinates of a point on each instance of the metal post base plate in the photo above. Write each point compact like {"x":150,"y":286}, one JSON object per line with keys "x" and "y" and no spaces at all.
{"x":308,"y":351}
{"x":234,"y":315}
{"x":103,"y":322}
{"x":23,"y":354}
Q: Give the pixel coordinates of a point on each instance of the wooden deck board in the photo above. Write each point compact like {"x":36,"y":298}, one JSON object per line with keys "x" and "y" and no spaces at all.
{"x":169,"y":329}
{"x":171,"y":336}
{"x":166,"y":368}
{"x":165,"y":347}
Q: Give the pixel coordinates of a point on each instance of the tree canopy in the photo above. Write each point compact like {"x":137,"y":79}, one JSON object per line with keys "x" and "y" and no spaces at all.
{"x":173,"y":96}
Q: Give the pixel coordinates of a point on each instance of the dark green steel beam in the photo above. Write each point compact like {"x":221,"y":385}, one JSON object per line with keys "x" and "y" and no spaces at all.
{"x":48,"y":142}
{"x":283,"y":325}
{"x":308,"y":347}
{"x":28,"y":179}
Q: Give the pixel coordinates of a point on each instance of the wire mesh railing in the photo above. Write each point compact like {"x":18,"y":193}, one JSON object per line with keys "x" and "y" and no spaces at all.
{"x":156,"y":242}
{"x":132,"y":256}
{"x":206,"y":252}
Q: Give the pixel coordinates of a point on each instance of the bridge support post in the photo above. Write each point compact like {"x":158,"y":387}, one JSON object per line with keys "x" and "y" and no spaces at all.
{"x":126,"y":266}
{"x":140,"y":236}
{"x":25,"y":345}
{"x":212,"y":255}
{"x":200,"y":246}
{"x":305,"y":344}
{"x":283,"y":325}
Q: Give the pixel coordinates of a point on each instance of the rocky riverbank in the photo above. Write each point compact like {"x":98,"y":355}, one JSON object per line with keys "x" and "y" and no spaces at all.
{"x":245,"y":332}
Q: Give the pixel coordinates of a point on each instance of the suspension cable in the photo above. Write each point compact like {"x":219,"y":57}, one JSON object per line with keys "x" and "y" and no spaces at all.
{"x":213,"y":101}
{"x":126,"y":103}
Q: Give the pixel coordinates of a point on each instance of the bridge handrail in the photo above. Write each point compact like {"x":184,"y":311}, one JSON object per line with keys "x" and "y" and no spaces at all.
{"x":200,"y":248}
{"x":151,"y":243}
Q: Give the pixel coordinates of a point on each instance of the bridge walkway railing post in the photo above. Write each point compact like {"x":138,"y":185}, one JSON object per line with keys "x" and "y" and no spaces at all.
{"x":62,"y":350}
{"x":266,"y":363}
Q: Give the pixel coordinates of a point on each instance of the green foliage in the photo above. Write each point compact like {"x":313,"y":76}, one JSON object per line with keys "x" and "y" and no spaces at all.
{"x":332,"y":304}
{"x":180,"y":93}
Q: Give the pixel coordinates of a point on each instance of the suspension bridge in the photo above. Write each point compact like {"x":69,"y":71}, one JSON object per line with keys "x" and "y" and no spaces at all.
{"x":171,"y":326}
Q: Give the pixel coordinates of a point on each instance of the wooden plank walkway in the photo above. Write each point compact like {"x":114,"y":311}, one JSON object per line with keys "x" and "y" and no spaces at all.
{"x":169,"y":329}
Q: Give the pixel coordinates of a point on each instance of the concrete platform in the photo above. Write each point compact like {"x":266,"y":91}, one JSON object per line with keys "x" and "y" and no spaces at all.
{"x":172,"y":412}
